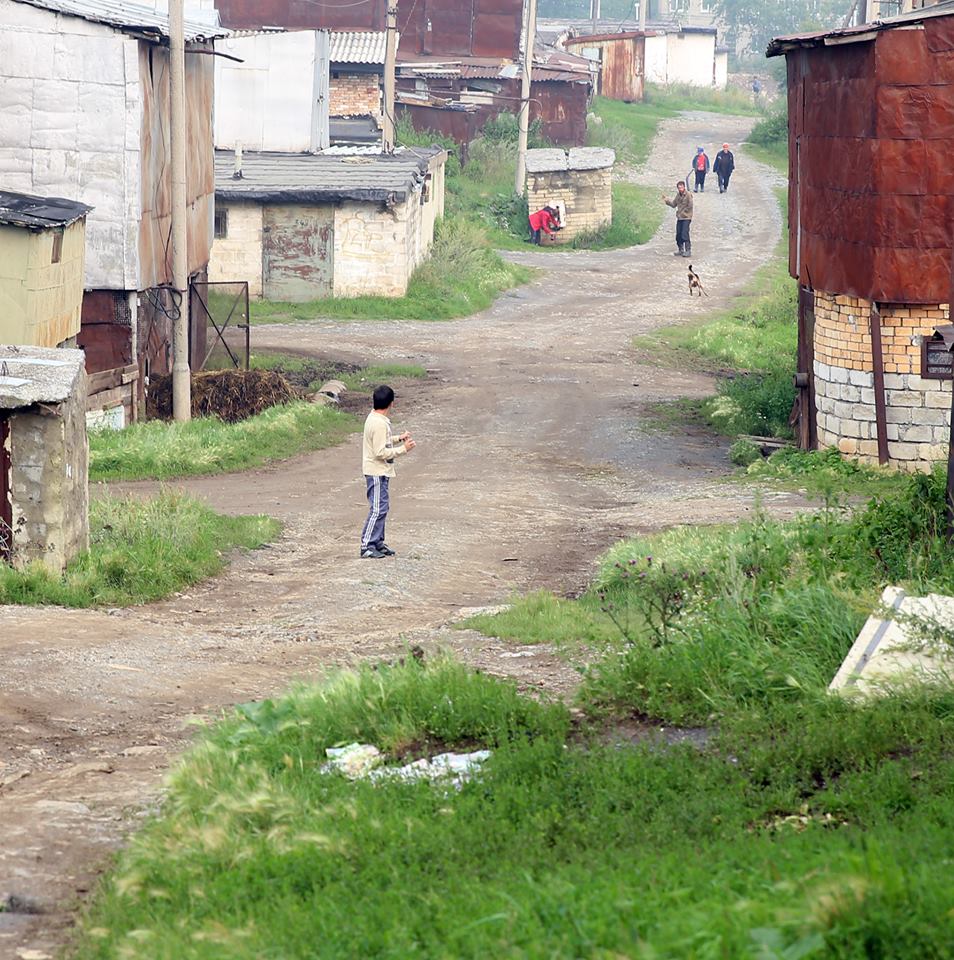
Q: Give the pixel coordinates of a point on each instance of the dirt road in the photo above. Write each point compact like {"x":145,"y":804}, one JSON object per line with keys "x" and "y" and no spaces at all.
{"x":534,"y":456}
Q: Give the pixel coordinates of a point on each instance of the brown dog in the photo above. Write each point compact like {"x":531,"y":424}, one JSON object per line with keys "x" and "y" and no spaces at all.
{"x":695,"y":283}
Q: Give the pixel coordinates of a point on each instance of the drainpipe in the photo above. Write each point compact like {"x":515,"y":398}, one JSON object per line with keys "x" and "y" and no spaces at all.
{"x":877,"y":364}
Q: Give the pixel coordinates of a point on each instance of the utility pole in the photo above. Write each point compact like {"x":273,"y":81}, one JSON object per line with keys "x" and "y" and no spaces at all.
{"x":595,"y":14}
{"x":643,"y":4}
{"x":528,"y":41}
{"x":390,"y":65}
{"x":181,"y":373}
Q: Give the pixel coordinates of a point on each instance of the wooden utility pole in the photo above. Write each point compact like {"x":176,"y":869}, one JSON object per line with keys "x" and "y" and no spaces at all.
{"x":181,"y":372}
{"x":528,"y":41}
{"x":390,"y":66}
{"x":643,"y":4}
{"x":594,"y":15}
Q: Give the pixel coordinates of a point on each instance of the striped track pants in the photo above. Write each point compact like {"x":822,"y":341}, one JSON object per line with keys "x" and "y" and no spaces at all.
{"x":378,"y":503}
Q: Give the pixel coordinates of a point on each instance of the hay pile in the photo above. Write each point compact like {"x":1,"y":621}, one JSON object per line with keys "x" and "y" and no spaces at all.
{"x":230,"y":395}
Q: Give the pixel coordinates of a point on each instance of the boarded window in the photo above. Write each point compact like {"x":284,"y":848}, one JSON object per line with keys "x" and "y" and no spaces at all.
{"x":57,"y":253}
{"x":221,"y":224}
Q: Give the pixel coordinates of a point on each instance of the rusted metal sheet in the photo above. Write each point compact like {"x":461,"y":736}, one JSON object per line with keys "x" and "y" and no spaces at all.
{"x":300,"y":14}
{"x":155,"y":247}
{"x":298,"y":252}
{"x":561,"y":108}
{"x":106,"y":330}
{"x":871,"y":137}
{"x":621,"y":66}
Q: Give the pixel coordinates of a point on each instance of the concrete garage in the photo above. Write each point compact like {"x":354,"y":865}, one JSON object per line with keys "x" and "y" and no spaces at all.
{"x":44,"y":456}
{"x":300,"y":227}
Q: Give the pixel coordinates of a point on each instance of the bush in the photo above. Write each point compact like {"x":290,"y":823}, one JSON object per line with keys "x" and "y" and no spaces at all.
{"x":407,"y":135}
{"x":771,"y":131}
{"x":759,"y":404}
{"x":743,"y":453}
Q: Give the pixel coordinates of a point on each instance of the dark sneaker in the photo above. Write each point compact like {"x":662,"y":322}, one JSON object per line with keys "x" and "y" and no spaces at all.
{"x":372,"y":553}
{"x":386,"y":550}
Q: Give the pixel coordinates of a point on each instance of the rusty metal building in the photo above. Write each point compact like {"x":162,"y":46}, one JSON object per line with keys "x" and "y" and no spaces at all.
{"x":871,"y":194}
{"x":619,"y":59}
{"x":84,"y":85}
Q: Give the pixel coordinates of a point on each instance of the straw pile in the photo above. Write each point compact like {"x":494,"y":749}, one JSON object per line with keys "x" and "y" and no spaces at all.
{"x":230,"y":395}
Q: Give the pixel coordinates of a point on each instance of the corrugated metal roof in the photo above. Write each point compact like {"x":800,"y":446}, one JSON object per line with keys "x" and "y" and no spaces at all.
{"x":358,"y":46}
{"x":863,"y":31}
{"x":323,"y":177}
{"x":39,"y":213}
{"x":128,"y":17}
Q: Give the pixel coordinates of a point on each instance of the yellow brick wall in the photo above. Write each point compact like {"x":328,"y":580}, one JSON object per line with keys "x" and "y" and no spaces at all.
{"x":587,"y":196}
{"x":843,"y":338}
{"x":355,"y":95}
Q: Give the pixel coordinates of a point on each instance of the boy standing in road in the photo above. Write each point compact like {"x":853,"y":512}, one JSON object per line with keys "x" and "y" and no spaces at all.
{"x":682,"y":201}
{"x":379,"y":452}
{"x":723,"y":167}
{"x":700,"y":167}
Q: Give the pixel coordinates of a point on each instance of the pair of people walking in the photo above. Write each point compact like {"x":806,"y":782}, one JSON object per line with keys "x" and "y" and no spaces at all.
{"x":722,"y":168}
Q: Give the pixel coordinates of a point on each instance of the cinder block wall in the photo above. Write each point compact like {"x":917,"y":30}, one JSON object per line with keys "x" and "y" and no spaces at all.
{"x":917,"y":410}
{"x":355,"y":94}
{"x":374,"y":248}
{"x":238,"y":256}
{"x":586,"y":194}
{"x":50,"y":458}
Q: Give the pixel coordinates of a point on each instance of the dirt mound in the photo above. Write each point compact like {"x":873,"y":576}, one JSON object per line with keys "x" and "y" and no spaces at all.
{"x":230,"y":395}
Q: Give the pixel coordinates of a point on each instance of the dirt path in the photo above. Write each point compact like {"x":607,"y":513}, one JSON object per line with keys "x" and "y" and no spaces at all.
{"x":534,"y":457}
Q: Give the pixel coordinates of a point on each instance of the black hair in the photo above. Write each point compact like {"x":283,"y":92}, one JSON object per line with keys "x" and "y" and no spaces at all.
{"x":681,"y":183}
{"x":383,"y":397}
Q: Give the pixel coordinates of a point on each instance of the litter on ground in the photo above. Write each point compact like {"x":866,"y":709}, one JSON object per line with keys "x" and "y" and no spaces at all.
{"x":910,"y":639}
{"x":363,"y":761}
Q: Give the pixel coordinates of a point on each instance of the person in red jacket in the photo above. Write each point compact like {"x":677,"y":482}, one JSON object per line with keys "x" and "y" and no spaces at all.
{"x":543,"y":220}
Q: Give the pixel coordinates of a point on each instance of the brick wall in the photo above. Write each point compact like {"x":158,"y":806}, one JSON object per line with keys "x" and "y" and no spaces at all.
{"x":355,"y":94}
{"x":238,"y":255}
{"x":917,"y":410}
{"x":586,"y":194}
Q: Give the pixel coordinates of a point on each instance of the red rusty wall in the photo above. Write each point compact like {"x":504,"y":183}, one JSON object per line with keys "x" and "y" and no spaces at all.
{"x":462,"y":28}
{"x":871,"y":137}
{"x":105,"y":333}
{"x":562,"y":108}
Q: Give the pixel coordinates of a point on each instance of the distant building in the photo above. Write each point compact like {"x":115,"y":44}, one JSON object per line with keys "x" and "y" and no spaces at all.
{"x":870,"y":194}
{"x":42,"y":249}
{"x":619,"y":60}
{"x":84,"y":95}
{"x":299,"y":90}
{"x":303,"y":226}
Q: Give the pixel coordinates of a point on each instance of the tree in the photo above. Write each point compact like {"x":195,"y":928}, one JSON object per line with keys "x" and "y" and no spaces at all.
{"x":753,"y":23}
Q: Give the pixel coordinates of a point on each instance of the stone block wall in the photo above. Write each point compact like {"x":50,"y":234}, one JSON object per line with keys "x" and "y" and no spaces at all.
{"x":238,"y":255}
{"x":49,"y":452}
{"x":372,"y":250}
{"x":587,"y":196}
{"x":355,"y":94}
{"x":917,"y":409}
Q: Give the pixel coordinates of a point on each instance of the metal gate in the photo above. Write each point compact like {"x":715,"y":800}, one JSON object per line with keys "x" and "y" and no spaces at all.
{"x":220,"y":326}
{"x":298,"y":249}
{"x":6,"y":492}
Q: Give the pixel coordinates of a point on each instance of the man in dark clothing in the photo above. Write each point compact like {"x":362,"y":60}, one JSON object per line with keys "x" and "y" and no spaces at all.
{"x":700,"y":167}
{"x":682,"y":201}
{"x":723,"y":167}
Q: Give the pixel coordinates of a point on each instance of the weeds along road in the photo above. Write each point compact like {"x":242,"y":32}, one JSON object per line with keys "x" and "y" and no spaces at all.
{"x":534,"y":456}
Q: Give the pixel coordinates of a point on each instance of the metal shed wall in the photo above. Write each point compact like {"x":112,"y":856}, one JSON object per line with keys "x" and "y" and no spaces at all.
{"x":871,"y":142}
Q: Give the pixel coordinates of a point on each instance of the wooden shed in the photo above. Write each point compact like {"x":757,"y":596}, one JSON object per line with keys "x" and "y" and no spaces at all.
{"x":620,"y":61}
{"x":871,"y":195}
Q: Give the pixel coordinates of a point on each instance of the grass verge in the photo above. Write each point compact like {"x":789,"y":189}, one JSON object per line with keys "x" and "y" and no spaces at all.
{"x":463,"y":275}
{"x":140,"y":550}
{"x":309,"y":373}
{"x":156,"y":450}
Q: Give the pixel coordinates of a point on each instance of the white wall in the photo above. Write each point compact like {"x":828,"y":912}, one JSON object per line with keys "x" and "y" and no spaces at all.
{"x":71,"y":110}
{"x":721,"y":70}
{"x":691,"y":58}
{"x":657,"y":53}
{"x":266,"y":103}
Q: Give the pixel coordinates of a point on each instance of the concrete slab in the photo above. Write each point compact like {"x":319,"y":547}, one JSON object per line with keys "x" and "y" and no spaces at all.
{"x":903,"y":642}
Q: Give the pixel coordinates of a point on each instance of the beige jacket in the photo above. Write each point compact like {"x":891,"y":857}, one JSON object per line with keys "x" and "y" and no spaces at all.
{"x":683,"y":204}
{"x":379,"y":451}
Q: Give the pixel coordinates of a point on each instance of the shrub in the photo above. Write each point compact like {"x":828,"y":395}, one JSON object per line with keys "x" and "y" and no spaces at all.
{"x":772,"y":131}
{"x":744,"y":452}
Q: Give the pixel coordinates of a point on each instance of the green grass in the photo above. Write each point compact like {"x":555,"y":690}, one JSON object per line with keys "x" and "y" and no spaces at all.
{"x":685,"y":97}
{"x":462,"y":276}
{"x":311,"y":372}
{"x":140,"y":550}
{"x":627,"y":128}
{"x":156,"y":450}
{"x":819,"y":830}
{"x":821,"y":471}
